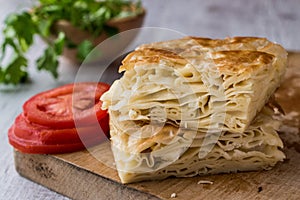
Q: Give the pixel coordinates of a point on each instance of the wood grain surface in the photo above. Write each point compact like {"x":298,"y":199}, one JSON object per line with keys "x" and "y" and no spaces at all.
{"x":275,"y":19}
{"x":90,"y":174}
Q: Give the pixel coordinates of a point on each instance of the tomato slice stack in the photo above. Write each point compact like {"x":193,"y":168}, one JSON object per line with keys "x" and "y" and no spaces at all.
{"x":61,"y":120}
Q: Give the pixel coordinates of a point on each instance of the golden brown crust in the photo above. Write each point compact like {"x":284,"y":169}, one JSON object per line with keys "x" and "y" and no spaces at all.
{"x":179,"y":45}
{"x":237,"y":54}
{"x":231,"y":55}
{"x":241,"y":61}
{"x":151,"y":56}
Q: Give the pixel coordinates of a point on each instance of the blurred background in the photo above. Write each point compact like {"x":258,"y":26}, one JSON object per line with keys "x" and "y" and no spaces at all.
{"x":278,"y":20}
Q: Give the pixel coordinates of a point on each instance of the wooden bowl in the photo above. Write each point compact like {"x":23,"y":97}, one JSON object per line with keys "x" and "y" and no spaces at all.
{"x":77,"y":35}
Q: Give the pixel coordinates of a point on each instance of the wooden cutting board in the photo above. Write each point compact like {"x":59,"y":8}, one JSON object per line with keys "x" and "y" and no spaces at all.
{"x":81,"y":175}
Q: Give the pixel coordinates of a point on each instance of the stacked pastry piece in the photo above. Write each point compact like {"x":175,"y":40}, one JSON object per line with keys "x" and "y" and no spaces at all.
{"x":195,"y":106}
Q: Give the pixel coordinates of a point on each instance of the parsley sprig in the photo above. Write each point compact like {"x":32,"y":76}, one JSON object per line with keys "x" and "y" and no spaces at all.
{"x":20,"y":29}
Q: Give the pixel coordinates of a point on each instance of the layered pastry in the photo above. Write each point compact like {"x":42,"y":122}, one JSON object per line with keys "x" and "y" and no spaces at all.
{"x":195,"y":106}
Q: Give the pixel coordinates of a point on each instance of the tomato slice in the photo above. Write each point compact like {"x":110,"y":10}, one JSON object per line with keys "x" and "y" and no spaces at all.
{"x":65,"y":119}
{"x":45,"y":135}
{"x":36,"y":147}
{"x":64,"y":106}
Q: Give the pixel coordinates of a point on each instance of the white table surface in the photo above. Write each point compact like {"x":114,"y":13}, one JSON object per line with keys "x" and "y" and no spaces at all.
{"x":277,"y":20}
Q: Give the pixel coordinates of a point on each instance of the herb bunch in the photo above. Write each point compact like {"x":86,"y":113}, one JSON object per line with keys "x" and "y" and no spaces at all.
{"x":20,"y":29}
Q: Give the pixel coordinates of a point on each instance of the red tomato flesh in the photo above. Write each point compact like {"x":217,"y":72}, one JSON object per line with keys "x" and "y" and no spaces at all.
{"x":64,"y":106}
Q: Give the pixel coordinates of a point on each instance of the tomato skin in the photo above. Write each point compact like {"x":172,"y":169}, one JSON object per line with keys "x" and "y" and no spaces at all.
{"x":34,"y":132}
{"x":35,"y":147}
{"x":61,"y":107}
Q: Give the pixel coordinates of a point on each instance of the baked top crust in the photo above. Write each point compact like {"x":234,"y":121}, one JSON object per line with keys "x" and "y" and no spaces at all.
{"x":242,"y":50}
{"x":236,"y":61}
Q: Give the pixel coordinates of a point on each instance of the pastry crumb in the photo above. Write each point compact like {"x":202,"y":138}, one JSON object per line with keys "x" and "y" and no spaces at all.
{"x":173,"y":195}
{"x":205,"y":182}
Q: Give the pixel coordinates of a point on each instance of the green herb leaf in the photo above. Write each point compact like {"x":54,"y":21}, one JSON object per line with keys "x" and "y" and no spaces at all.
{"x":84,"y":49}
{"x":15,"y":72}
{"x":44,"y":26}
{"x":49,"y":60}
{"x":15,"y":29}
{"x":59,"y":43}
